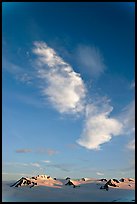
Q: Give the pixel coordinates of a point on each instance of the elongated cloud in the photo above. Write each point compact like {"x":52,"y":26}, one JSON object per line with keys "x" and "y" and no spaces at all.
{"x":66,"y":91}
{"x":99,"y":127}
{"x":23,"y":150}
{"x":50,"y":152}
{"x":46,"y":161}
{"x":35,"y":164}
{"x":63,"y":86}
{"x":99,"y":173}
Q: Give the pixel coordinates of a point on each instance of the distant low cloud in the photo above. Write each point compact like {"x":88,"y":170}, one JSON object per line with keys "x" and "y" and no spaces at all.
{"x":99,"y":173}
{"x":46,"y":161}
{"x":23,"y":150}
{"x":48,"y":151}
{"x":15,"y":164}
{"x":99,"y":126}
{"x":35,"y":164}
{"x":61,"y":84}
{"x":20,"y":174}
{"x":91,"y":60}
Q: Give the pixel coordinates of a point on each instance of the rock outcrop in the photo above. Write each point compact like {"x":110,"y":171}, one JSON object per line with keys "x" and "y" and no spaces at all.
{"x":110,"y":182}
{"x":21,"y":182}
{"x":103,"y":179}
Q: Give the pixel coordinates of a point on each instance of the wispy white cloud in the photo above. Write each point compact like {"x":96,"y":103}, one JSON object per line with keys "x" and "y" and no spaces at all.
{"x":61,"y":84}
{"x":99,"y":126}
{"x":15,"y":164}
{"x":18,"y":72}
{"x":128,"y":118}
{"x":23,"y":150}
{"x":41,"y":150}
{"x":99,"y":173}
{"x":35,"y":164}
{"x":91,"y":59}
{"x":10,"y":173}
{"x":46,"y":161}
{"x":25,"y":78}
{"x":131,"y":145}
{"x":67,"y":93}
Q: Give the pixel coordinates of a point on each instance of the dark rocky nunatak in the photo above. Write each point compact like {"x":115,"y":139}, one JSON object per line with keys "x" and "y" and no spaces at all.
{"x":110,"y":183}
{"x":116,"y":180}
{"x":21,"y":181}
{"x":104,"y":187}
{"x":122,"y":179}
{"x":70,"y":183}
{"x":103,"y":179}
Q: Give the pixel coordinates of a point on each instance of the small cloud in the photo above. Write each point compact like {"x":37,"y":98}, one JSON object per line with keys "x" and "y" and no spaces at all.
{"x":46,"y":161}
{"x":23,"y":150}
{"x":35,"y":164}
{"x":99,"y":173}
{"x":23,"y":164}
{"x":25,"y":78}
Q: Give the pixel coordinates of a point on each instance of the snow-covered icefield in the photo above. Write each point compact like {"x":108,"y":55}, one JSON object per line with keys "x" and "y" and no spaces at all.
{"x":87,"y":192}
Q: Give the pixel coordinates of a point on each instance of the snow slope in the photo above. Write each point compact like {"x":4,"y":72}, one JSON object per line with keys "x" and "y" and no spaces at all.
{"x":50,"y":190}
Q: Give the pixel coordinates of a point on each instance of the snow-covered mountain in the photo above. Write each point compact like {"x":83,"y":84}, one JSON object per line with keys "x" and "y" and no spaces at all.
{"x":38,"y":180}
{"x":44,"y":188}
{"x":46,"y":180}
{"x":127,"y":179}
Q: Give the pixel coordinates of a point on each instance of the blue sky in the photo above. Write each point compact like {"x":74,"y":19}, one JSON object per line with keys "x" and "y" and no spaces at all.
{"x":68,"y":89}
